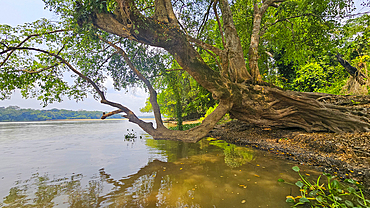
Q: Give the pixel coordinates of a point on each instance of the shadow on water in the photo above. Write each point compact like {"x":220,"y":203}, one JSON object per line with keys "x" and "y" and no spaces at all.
{"x":210,"y":173}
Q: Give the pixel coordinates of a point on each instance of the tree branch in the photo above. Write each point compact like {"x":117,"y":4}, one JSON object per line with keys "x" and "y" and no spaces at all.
{"x":101,"y":94}
{"x":215,"y":58}
{"x":25,"y":40}
{"x":41,"y":70}
{"x":148,"y":127}
{"x":106,"y":115}
{"x":153,"y":94}
{"x":205,"y":18}
{"x":265,"y":27}
{"x":219,"y":23}
{"x":204,"y":45}
{"x":360,"y":77}
{"x":107,"y":59}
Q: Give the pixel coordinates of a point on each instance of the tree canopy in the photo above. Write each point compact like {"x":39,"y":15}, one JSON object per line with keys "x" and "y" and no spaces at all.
{"x":228,"y":48}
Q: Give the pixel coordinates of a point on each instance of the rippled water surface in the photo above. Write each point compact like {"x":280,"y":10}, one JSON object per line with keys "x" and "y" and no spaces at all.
{"x":94,"y":163}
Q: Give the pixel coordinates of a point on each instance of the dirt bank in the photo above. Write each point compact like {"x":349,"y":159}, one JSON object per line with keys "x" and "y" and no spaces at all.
{"x":346,"y":155}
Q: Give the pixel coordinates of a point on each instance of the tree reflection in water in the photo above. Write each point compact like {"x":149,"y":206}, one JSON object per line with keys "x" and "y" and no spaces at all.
{"x":190,"y":178}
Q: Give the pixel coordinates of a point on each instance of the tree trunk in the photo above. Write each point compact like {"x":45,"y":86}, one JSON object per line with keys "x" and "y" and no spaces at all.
{"x":253,"y":48}
{"x":266,"y":106}
{"x":254,"y":102}
{"x":360,"y":77}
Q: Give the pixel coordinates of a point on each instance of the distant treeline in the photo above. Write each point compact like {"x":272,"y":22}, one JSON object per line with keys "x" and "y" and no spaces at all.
{"x":15,"y":113}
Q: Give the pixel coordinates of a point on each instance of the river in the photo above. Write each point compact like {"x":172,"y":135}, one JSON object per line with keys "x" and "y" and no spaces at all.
{"x":113,"y":163}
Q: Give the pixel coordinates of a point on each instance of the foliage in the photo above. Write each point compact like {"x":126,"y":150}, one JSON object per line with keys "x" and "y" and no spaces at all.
{"x":14,"y":113}
{"x":194,"y":100}
{"x":332,"y":194}
{"x":225,"y":119}
{"x":312,"y":77}
{"x":209,"y":111}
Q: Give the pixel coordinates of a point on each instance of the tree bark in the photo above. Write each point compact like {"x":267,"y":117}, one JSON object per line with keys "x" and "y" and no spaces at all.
{"x":266,"y":106}
{"x":254,"y":102}
{"x":235,"y":63}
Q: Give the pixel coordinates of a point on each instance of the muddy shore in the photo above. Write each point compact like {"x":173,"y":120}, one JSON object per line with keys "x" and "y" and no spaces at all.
{"x":345,"y":155}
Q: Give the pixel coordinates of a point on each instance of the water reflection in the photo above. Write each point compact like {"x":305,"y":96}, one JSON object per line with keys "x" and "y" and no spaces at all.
{"x":235,"y":156}
{"x":211,"y":173}
{"x":41,"y":191}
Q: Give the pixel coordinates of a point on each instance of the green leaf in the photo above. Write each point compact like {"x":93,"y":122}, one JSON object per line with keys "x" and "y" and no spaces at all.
{"x":351,"y":190}
{"x":281,"y":180}
{"x":313,"y":193}
{"x":335,"y":184}
{"x":304,"y":200}
{"x":296,"y":168}
{"x":289,"y":200}
{"x":299,"y":184}
{"x":319,"y":199}
{"x":350,"y":181}
{"x":349,"y":203}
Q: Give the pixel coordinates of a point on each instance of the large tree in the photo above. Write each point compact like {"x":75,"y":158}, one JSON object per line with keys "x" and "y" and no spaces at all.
{"x":94,"y":32}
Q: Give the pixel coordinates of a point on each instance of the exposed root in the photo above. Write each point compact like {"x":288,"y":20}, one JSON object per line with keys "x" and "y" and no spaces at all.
{"x":270,"y":107}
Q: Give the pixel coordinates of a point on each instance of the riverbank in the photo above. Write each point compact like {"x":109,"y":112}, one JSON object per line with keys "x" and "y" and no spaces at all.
{"x":345,"y":155}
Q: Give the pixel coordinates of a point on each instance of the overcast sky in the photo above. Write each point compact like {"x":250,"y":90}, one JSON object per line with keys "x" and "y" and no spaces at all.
{"x":15,"y":12}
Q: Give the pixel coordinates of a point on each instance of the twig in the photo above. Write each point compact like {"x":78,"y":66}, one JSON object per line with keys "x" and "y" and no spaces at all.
{"x":205,"y":18}
{"x":204,"y":45}
{"x":39,"y":71}
{"x":219,"y":23}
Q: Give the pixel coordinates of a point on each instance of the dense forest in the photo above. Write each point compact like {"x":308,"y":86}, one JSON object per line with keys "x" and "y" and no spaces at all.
{"x":15,"y":113}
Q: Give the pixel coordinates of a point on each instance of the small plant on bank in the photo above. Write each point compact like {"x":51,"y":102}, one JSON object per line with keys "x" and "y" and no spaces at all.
{"x":333,"y":194}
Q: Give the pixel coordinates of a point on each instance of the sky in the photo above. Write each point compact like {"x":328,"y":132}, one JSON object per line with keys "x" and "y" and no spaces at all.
{"x":15,"y":12}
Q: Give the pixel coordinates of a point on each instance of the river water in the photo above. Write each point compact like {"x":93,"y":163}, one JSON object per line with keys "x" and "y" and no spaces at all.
{"x":113,"y":163}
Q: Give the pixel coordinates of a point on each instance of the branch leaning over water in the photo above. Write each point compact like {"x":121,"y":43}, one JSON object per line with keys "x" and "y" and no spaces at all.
{"x":148,"y":127}
{"x":153,"y":93}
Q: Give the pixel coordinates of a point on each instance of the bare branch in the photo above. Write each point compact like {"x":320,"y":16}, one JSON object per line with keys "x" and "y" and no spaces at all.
{"x":205,"y":18}
{"x":106,"y":115}
{"x":64,"y":45}
{"x":219,"y":23}
{"x":4,"y":44}
{"x":269,"y":54}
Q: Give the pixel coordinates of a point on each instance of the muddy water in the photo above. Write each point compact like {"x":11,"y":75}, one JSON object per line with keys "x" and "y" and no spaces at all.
{"x":112,"y":163}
